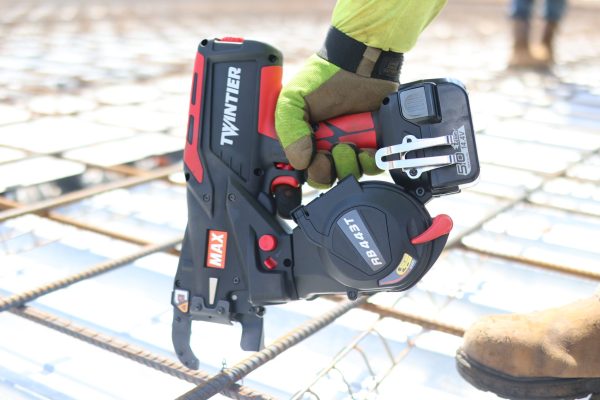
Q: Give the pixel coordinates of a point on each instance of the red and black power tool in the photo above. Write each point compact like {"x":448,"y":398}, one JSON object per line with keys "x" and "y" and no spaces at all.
{"x":239,"y":255}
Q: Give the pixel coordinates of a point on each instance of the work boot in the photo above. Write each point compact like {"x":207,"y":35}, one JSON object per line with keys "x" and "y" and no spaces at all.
{"x":521,"y":54}
{"x":545,"y":51}
{"x":551,"y":354}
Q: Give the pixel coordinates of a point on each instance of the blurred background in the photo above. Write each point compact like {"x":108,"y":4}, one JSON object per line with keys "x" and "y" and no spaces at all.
{"x":93,"y":112}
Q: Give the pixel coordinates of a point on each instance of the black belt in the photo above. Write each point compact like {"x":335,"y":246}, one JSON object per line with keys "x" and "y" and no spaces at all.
{"x":354,"y":56}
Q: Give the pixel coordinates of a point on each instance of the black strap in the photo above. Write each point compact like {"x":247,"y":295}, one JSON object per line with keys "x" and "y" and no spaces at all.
{"x":348,"y":53}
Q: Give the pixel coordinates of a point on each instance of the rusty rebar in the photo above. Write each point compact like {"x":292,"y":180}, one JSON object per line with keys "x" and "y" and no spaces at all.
{"x":88,"y":192}
{"x":132,"y":352}
{"x":32,"y":294}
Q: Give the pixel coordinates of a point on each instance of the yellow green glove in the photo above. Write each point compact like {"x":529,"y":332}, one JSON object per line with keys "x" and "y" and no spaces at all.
{"x":357,"y":68}
{"x":385,"y":24}
{"x":320,"y":91}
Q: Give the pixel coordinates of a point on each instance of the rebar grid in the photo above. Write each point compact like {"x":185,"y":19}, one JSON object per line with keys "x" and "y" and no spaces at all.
{"x":132,"y":352}
{"x":521,"y":199}
{"x":20,"y":299}
{"x":122,"y":169}
{"x":547,"y":265}
{"x":354,"y":346}
{"x":427,"y":323}
{"x":230,"y":375}
{"x":63,"y":219}
{"x":89,"y":192}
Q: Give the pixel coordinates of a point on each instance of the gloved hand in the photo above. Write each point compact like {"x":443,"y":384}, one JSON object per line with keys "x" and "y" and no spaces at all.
{"x":320,"y":91}
{"x":357,"y":68}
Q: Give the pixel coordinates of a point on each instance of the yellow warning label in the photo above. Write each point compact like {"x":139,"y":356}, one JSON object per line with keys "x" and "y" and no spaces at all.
{"x":405,"y":264}
{"x":183,"y":307}
{"x":181,"y":300}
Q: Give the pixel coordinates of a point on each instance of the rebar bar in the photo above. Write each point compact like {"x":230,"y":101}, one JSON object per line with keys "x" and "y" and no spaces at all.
{"x":24,"y":297}
{"x":63,"y":219}
{"x":54,"y":216}
{"x":88,"y":192}
{"x":565,"y":269}
{"x":520,"y":199}
{"x":428,"y":323}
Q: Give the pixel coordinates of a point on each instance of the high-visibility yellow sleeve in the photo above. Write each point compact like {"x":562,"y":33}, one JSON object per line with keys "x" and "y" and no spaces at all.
{"x":385,"y":24}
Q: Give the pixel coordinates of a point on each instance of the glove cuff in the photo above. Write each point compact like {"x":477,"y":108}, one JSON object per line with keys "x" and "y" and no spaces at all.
{"x":354,"y":56}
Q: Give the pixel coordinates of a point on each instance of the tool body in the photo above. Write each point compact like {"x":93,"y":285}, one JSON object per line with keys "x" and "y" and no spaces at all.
{"x":239,"y":256}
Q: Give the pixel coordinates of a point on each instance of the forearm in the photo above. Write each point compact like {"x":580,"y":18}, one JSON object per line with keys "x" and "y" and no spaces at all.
{"x":385,"y":24}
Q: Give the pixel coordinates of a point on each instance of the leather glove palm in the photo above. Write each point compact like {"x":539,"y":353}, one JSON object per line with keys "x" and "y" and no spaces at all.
{"x":320,"y":91}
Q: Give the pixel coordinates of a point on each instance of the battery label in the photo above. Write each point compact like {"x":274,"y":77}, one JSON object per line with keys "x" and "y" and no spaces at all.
{"x":463,"y":161}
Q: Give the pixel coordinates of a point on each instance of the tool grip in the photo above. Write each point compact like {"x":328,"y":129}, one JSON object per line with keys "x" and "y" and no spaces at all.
{"x":358,"y":129}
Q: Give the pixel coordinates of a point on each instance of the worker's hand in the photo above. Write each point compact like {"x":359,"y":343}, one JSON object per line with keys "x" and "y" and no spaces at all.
{"x":320,"y":91}
{"x":358,"y":66}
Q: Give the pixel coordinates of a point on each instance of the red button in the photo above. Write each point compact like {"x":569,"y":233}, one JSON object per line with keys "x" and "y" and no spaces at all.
{"x":284,"y":180}
{"x":440,"y":226}
{"x":232,"y":39}
{"x":270,"y":263}
{"x":284,"y":166}
{"x":267,"y":242}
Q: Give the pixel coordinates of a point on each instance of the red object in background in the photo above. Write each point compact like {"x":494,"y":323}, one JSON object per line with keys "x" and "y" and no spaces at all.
{"x":191,"y":156}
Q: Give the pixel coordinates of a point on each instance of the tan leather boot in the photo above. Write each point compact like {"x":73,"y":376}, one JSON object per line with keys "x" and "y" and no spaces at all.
{"x":545,"y":50}
{"x":551,"y":354}
{"x":521,"y":54}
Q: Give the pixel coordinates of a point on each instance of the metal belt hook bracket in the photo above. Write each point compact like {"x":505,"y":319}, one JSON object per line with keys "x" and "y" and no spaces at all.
{"x":414,"y":167}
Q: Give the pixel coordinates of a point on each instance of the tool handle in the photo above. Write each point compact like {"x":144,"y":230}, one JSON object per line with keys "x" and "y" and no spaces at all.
{"x":358,"y":129}
{"x":353,"y":128}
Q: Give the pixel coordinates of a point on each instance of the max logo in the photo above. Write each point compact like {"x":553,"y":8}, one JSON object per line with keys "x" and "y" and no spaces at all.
{"x":216,"y":250}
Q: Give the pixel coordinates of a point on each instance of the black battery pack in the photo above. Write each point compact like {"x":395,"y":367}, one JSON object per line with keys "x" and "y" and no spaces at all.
{"x":435,"y":108}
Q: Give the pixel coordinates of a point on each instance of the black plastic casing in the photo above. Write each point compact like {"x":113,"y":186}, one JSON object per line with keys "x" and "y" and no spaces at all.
{"x":229,"y":181}
{"x":355,"y":238}
{"x":328,"y":259}
{"x":448,"y":113}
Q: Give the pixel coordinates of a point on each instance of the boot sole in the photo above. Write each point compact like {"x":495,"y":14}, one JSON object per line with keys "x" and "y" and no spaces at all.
{"x":510,"y":387}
